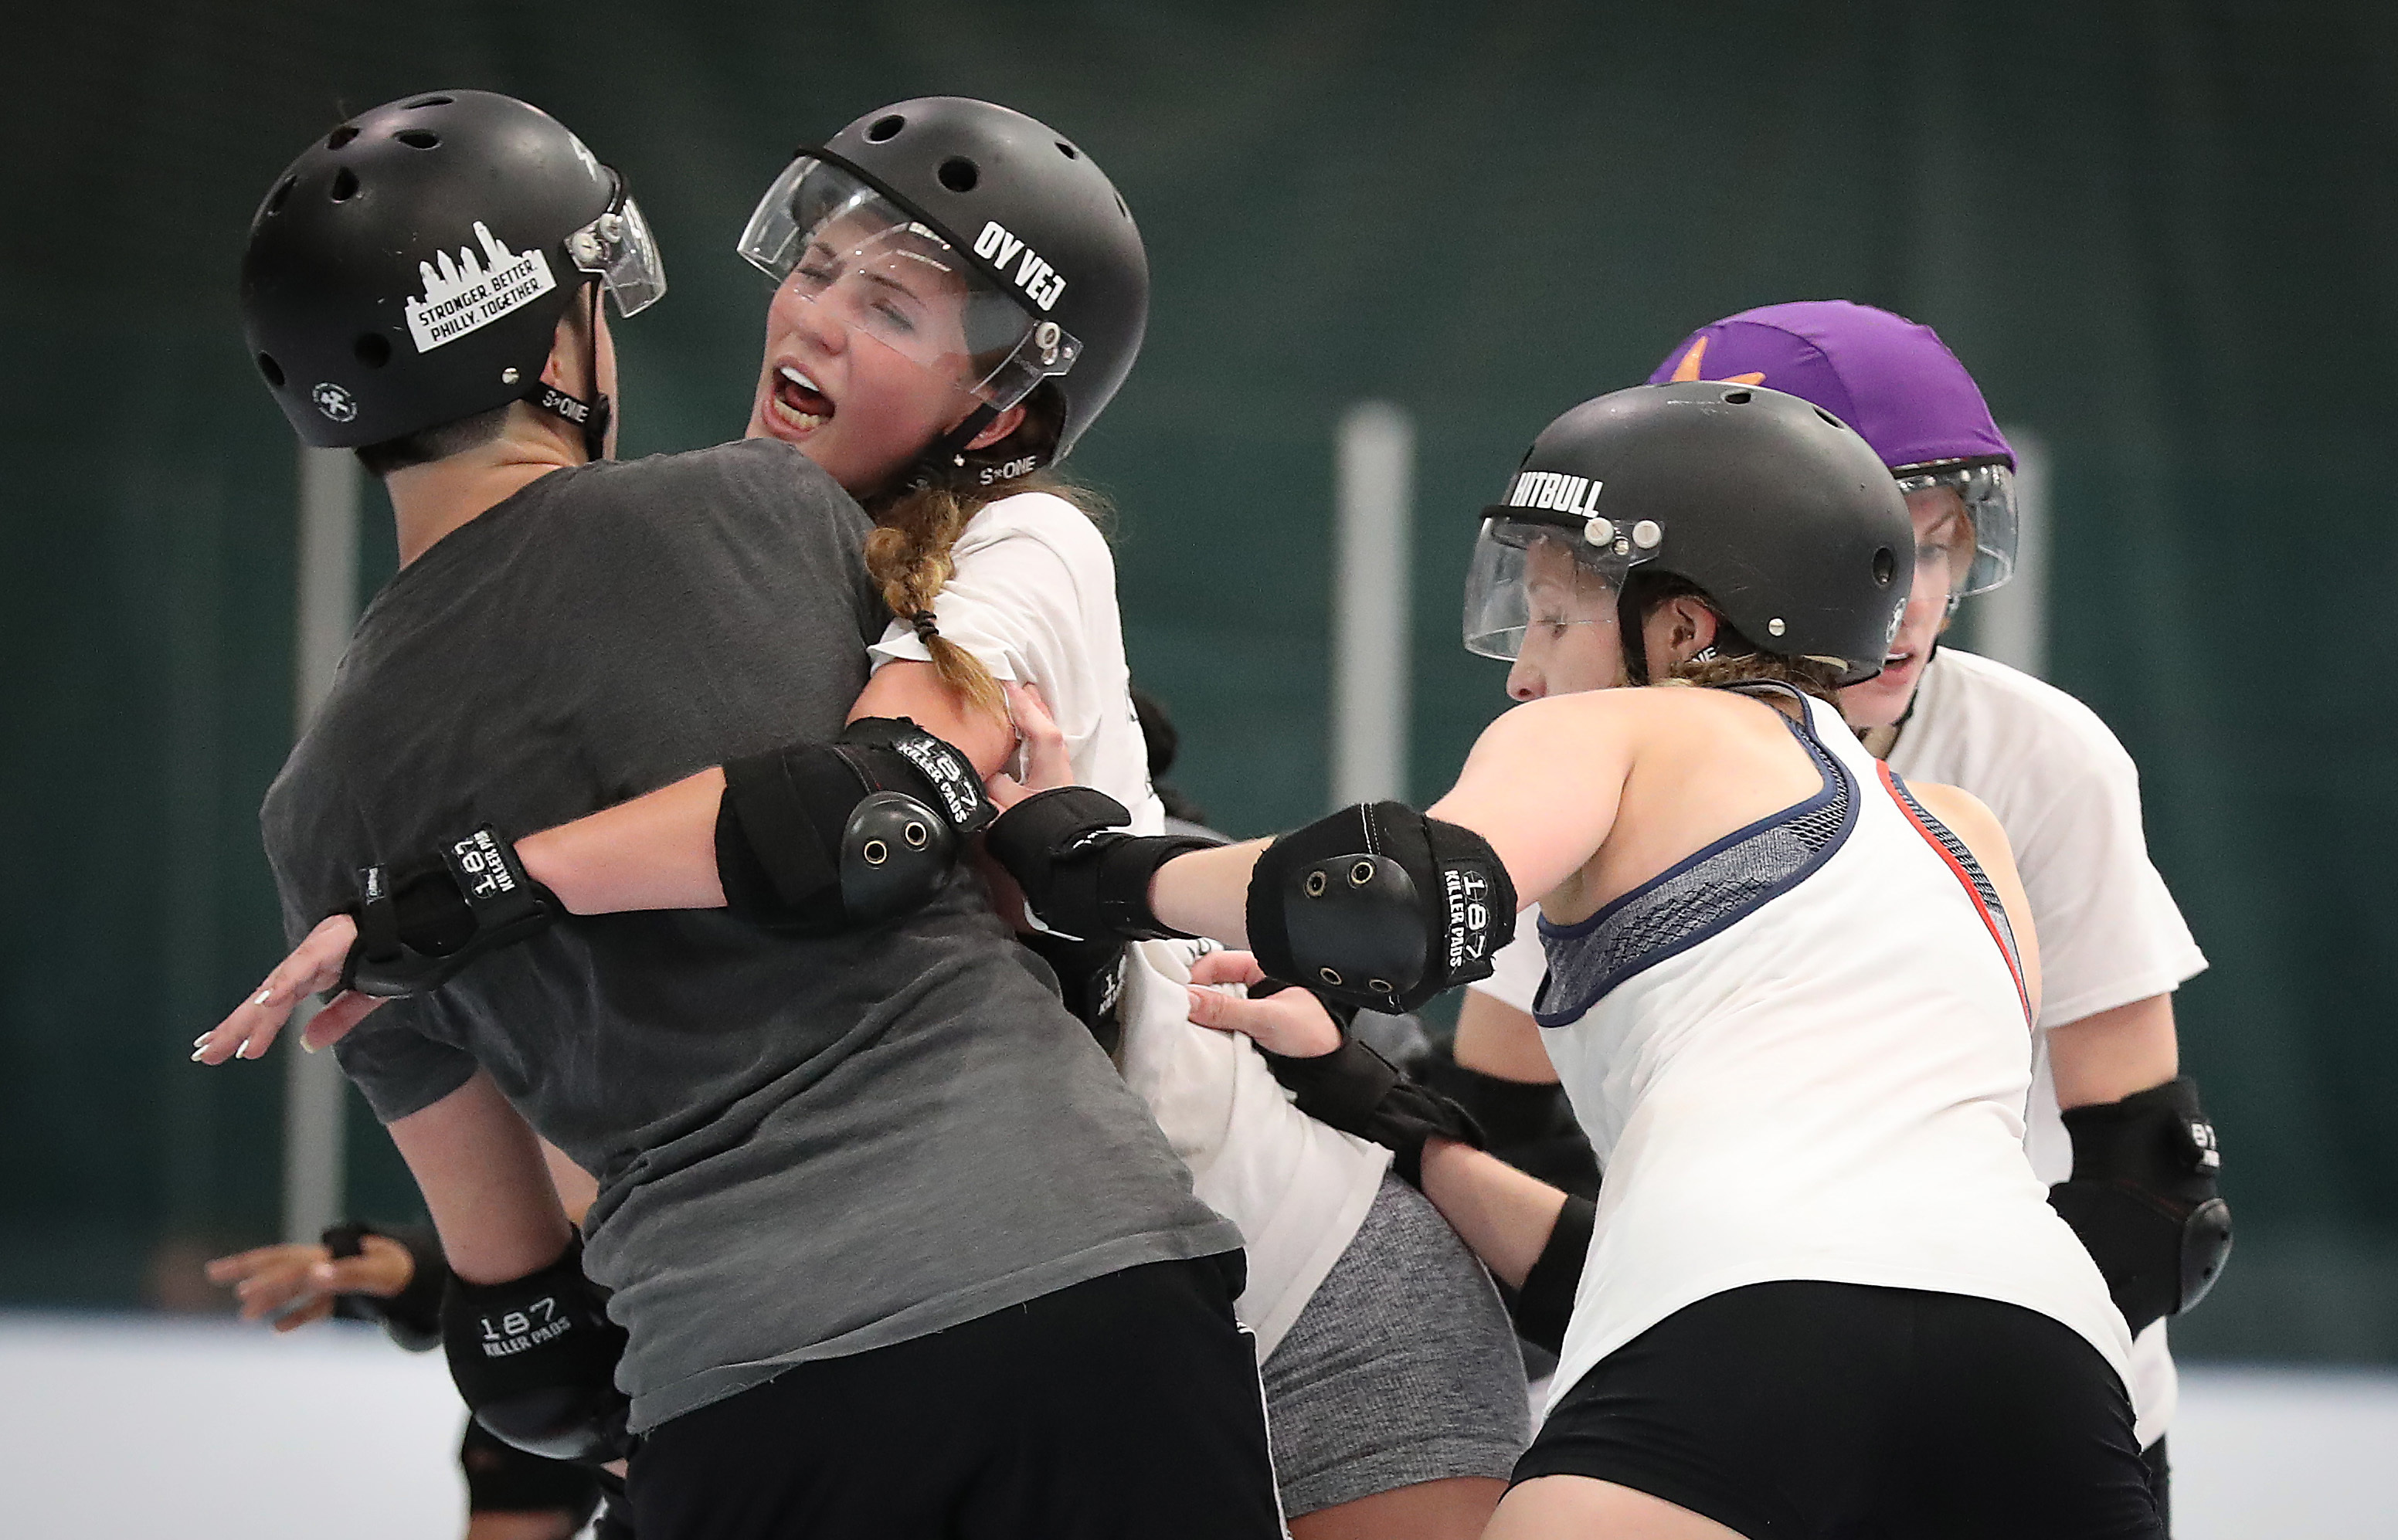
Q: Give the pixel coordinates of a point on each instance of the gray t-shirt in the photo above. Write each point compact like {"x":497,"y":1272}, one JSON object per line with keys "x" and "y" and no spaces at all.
{"x":805,"y":1148}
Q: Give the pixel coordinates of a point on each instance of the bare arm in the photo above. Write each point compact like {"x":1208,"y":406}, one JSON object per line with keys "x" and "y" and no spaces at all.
{"x":1503,"y":1215}
{"x":2107,"y":1056}
{"x":1542,"y":785}
{"x":481,"y":1172}
{"x":1495,"y":1039}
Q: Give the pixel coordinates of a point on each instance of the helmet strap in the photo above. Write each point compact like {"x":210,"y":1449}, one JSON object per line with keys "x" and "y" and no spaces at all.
{"x":591,"y":417}
{"x":941,"y":462}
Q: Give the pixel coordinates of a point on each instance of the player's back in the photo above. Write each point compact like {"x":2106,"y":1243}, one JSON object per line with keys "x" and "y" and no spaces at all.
{"x":1802,"y":1053}
{"x":905,"y":1109}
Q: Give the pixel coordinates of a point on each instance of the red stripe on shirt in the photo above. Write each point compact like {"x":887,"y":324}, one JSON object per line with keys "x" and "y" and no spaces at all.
{"x":1940,"y":849}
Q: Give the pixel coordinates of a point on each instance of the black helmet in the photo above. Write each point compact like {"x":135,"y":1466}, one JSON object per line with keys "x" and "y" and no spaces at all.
{"x":410,"y":268}
{"x":1778,"y":512}
{"x":1059,"y":280}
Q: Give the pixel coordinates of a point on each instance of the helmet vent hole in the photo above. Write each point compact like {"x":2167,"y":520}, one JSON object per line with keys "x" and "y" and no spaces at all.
{"x":959,"y":174}
{"x":345,"y":185}
{"x":372,"y":349}
{"x":341,"y":136}
{"x":1829,"y":418}
{"x":1738,"y":397}
{"x":1885,"y":567}
{"x":418,"y":139}
{"x":282,"y":191}
{"x":428,"y":101}
{"x":1069,"y":151}
{"x":271,"y":369}
{"x":882,"y":128}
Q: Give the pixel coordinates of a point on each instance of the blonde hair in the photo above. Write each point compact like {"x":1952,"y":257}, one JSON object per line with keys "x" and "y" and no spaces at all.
{"x":907,"y":554}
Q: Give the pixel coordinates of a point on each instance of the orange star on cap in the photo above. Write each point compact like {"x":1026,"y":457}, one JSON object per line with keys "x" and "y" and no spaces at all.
{"x":1689,"y":368}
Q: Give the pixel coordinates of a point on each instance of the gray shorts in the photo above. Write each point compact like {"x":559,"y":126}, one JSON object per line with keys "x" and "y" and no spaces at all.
{"x":1401,"y":1368}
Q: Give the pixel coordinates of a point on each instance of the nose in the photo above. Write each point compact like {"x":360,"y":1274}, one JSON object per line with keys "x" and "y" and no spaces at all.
{"x":1524,"y":681}
{"x":813,"y":323}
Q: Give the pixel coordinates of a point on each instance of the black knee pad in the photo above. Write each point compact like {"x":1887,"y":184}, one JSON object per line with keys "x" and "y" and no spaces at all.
{"x":1379,"y":907}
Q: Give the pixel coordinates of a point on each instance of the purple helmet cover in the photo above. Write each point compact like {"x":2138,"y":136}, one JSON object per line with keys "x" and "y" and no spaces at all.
{"x":1891,"y":380}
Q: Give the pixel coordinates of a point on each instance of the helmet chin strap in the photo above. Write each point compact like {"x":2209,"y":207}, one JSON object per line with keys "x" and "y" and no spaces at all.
{"x":591,"y":416}
{"x":948,"y":454}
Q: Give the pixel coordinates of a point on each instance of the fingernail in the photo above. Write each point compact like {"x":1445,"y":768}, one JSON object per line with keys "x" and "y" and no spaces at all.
{"x":241,"y":1051}
{"x":262,"y":997}
{"x":305,"y":1045}
{"x":201,"y":1041}
{"x":196,"y":1055}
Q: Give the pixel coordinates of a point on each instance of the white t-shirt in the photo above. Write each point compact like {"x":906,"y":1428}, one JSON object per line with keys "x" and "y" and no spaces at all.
{"x":1778,"y":1093}
{"x":1033,"y":596}
{"x":2068,"y":797}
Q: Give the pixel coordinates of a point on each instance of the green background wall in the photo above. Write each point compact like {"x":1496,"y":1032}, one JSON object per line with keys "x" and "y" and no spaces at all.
{"x":2161,"y":233}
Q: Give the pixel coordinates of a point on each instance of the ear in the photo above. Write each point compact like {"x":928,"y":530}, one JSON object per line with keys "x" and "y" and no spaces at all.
{"x":1001,"y":426}
{"x":569,"y":365}
{"x":1678,"y":630}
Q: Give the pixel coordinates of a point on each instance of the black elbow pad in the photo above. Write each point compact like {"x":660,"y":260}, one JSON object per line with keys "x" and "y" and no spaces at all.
{"x":1379,"y":907}
{"x":535,"y":1361}
{"x":1545,"y":1303}
{"x":2143,"y":1199}
{"x":824,"y":837}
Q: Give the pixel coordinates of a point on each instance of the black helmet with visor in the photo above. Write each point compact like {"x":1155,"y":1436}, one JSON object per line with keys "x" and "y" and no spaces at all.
{"x":408,"y":269}
{"x":964,"y":235}
{"x":1784,"y":518}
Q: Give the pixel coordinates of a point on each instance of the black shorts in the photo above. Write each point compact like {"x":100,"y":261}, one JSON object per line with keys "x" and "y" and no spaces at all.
{"x":1834,"y":1409}
{"x":1125,"y":1406}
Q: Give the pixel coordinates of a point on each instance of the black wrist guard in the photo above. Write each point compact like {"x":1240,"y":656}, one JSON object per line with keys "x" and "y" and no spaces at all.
{"x":412,"y":1317}
{"x":2143,"y":1200}
{"x":1379,"y":906}
{"x":818,"y":838}
{"x":1529,"y":1125}
{"x":1090,"y":981}
{"x":1545,"y":1303}
{"x":1084,"y":877}
{"x":535,"y":1361}
{"x":1355,"y":1090}
{"x":419,"y":924}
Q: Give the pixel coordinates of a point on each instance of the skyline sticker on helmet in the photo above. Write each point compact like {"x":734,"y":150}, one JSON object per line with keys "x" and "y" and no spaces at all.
{"x":469,"y":294}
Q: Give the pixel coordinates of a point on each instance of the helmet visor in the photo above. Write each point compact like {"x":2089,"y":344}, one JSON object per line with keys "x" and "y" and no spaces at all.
{"x":618,"y":249}
{"x":1981,"y":554}
{"x":833,"y":241}
{"x":1538,"y":577}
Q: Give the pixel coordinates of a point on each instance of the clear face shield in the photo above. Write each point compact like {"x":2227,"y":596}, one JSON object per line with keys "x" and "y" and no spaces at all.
{"x":617,"y":250}
{"x":1979,"y":554}
{"x":832,"y":241}
{"x":1535,"y":579}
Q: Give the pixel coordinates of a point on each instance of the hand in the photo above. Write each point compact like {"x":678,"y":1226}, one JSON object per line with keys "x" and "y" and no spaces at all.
{"x":314,"y":965}
{"x":296,"y":1283}
{"x":1046,"y":764}
{"x":1290,"y":1022}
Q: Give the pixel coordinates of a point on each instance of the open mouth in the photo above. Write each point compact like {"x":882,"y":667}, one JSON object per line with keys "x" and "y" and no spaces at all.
{"x":798,"y":404}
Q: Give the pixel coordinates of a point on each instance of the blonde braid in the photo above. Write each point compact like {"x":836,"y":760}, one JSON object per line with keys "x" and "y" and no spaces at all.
{"x":908,"y":556}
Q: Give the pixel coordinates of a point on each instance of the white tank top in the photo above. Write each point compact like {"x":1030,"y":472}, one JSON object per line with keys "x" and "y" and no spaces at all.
{"x":1804,"y":1052}
{"x":1033,"y":596}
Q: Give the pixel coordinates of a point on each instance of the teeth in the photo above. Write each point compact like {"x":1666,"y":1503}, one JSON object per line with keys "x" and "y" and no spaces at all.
{"x":796,"y":378}
{"x":803,"y":422}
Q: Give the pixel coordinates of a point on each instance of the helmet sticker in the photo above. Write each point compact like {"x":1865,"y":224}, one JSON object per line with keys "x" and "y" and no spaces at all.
{"x":335,"y":402}
{"x":1577,"y":495}
{"x":469,"y":294}
{"x":1042,"y":284}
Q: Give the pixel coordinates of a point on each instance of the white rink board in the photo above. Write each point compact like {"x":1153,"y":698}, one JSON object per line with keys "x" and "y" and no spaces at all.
{"x":130,"y":1427}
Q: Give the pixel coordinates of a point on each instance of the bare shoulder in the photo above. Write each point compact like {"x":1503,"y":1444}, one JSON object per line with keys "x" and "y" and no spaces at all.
{"x":1967,"y":816}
